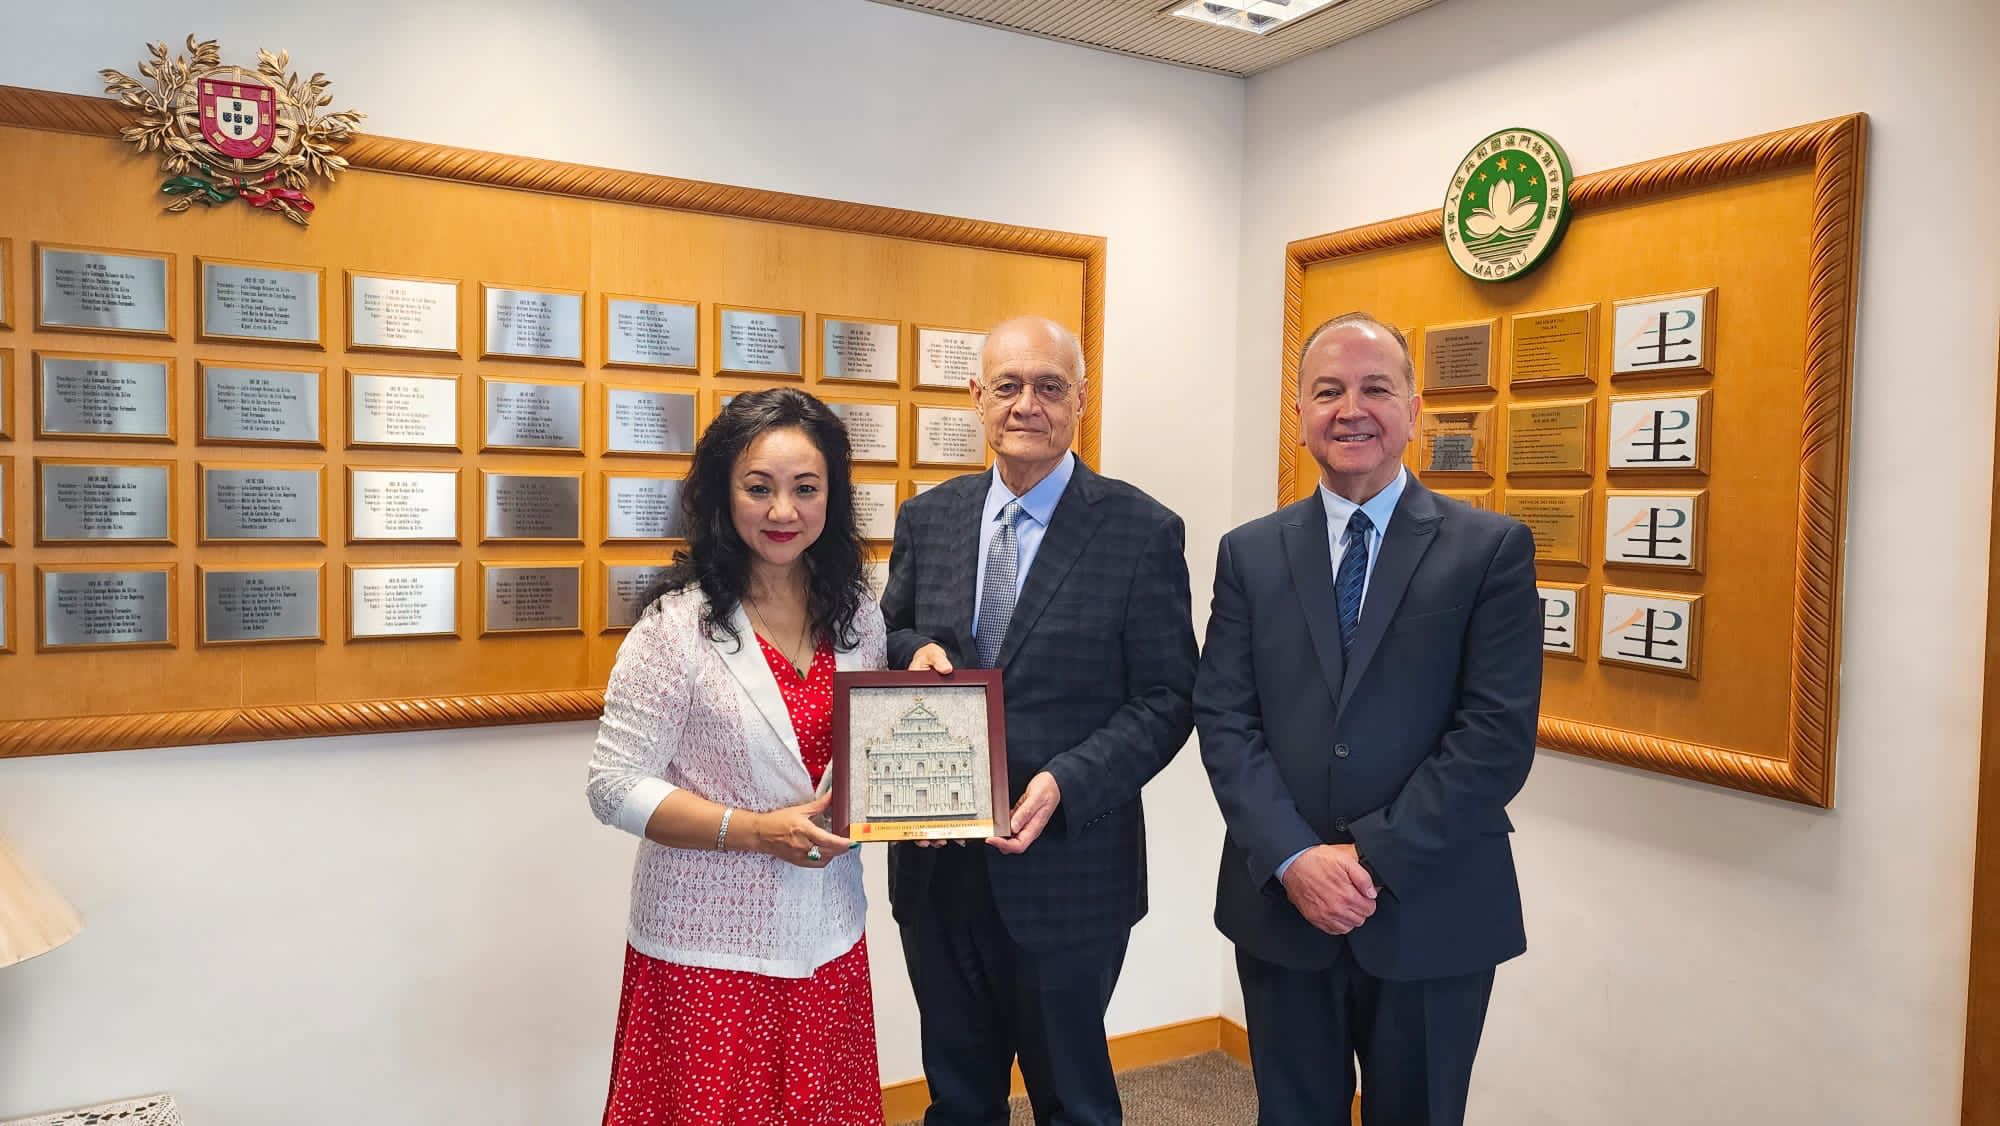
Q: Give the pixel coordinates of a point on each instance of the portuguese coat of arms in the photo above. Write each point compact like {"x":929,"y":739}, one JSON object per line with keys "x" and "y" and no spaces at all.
{"x":227,"y":133}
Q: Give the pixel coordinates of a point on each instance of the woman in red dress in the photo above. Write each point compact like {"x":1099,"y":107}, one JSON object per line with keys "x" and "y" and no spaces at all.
{"x":746,"y":999}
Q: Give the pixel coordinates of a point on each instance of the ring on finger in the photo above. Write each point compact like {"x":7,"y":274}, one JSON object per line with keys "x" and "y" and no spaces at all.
{"x":812,"y":854}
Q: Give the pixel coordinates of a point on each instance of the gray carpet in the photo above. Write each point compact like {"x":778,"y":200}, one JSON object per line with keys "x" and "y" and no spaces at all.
{"x":1210,"y":1089}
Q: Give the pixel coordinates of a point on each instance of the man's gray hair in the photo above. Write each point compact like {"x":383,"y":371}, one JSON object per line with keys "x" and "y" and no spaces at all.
{"x":1370,"y":321}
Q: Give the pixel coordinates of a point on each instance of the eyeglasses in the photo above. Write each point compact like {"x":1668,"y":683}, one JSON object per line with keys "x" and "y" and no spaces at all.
{"x":1049,"y":390}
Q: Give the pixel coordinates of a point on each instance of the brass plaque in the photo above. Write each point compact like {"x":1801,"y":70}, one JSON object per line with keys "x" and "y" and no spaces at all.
{"x":537,"y":599}
{"x":1549,"y":437}
{"x":947,"y":359}
{"x":950,"y":436}
{"x":1554,"y":346}
{"x":1456,"y":442}
{"x":1559,"y":521}
{"x":1458,"y":357}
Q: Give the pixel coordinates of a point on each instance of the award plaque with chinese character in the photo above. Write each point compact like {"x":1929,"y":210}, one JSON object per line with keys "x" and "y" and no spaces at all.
{"x":918,"y":756}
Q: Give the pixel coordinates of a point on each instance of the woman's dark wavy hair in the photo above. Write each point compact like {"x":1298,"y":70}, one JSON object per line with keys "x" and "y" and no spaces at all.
{"x":718,"y":561}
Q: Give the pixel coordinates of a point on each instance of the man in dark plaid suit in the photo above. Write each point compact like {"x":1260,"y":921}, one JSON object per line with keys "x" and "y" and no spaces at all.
{"x":1075,"y":587}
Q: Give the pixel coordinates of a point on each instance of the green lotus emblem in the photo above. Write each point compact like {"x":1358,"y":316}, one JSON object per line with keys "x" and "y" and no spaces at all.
{"x":1507,"y":205}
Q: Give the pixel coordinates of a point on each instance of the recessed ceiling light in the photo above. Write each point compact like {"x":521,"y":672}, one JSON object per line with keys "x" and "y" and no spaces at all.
{"x":1257,"y":16}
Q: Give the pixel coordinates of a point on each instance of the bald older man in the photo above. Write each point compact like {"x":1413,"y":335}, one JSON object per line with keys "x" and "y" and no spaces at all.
{"x":1075,"y":587}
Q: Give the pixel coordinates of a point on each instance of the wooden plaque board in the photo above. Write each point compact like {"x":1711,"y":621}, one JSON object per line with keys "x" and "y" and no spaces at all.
{"x":1772,"y":224}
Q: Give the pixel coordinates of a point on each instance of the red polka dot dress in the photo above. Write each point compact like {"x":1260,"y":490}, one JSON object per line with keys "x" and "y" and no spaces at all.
{"x":709,"y":1047}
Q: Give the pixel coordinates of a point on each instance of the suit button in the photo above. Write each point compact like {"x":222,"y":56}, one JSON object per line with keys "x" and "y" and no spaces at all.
{"x":1340,"y":750}
{"x":1340,"y":824}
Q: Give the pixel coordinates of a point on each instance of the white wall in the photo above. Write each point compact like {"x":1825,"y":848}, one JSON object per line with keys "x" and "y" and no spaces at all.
{"x":427,"y":928}
{"x":1697,"y":956}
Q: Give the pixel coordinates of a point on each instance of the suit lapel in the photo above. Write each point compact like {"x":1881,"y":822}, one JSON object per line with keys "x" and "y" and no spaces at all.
{"x":1411,"y":532}
{"x":1311,"y":561}
{"x":745,"y":661}
{"x":1071,"y":526}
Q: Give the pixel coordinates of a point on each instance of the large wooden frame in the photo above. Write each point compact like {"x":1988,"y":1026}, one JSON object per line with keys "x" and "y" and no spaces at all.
{"x":298,"y":690}
{"x":1831,"y":153}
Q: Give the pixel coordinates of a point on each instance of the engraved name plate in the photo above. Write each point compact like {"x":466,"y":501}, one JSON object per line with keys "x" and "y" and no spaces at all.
{"x":864,"y":351}
{"x":1456,"y":441}
{"x":875,"y":573}
{"x":1458,"y":357}
{"x":532,"y":599}
{"x":533,"y":323}
{"x":91,"y":608}
{"x":1672,"y":333}
{"x":1652,"y":630}
{"x":521,"y":506}
{"x":402,"y":504}
{"x":241,"y":301}
{"x":534,"y":416}
{"x":641,"y":508}
{"x":402,"y":601}
{"x":1659,"y":433}
{"x":653,"y":334}
{"x":402,"y":410}
{"x":402,"y":314}
{"x":871,"y":429}
{"x":759,"y":342}
{"x":79,"y":396}
{"x":950,"y":436}
{"x":875,"y":509}
{"x":625,"y":585}
{"x":1562,"y":619}
{"x":1549,"y":437}
{"x":1558,"y":521}
{"x":641,"y":421}
{"x":1553,"y":346}
{"x":260,"y":504}
{"x":95,"y":291}
{"x":106,"y":502}
{"x":1661,"y":530}
{"x":278,"y":406}
{"x":947,"y":358}
{"x":280,"y":604}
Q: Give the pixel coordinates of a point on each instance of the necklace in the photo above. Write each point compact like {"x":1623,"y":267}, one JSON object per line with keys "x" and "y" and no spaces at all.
{"x":790,"y":652}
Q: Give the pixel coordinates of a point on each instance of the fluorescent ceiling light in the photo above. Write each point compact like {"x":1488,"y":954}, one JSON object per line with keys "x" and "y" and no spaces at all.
{"x":1259,"y":16}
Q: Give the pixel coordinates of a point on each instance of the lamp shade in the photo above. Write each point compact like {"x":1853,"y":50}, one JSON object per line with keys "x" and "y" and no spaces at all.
{"x":33,"y":918}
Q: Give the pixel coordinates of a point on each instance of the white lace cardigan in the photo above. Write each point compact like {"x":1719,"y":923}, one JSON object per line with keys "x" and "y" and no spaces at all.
{"x":686,"y":711}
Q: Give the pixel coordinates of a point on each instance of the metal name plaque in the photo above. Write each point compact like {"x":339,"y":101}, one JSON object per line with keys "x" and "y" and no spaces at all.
{"x":875,"y":509}
{"x":106,"y":502}
{"x":648,"y":422}
{"x":402,"y":313}
{"x":255,"y":405}
{"x":260,"y":504}
{"x":536,"y":416}
{"x":281,"y":605}
{"x":260,"y":303}
{"x":532,"y":598}
{"x":859,"y":350}
{"x":114,"y":292}
{"x":402,"y":410}
{"x":521,"y":507}
{"x":402,"y":601}
{"x":128,"y":398}
{"x":105,"y":608}
{"x":529,"y":322}
{"x":649,"y":333}
{"x":871,"y":429}
{"x":760,"y":343}
{"x":402,"y":504}
{"x":950,"y":436}
{"x":641,"y":508}
{"x":624,"y":589}
{"x":946,"y":360}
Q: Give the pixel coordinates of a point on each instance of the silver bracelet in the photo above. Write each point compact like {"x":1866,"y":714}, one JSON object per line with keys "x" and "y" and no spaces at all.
{"x":722,"y":834}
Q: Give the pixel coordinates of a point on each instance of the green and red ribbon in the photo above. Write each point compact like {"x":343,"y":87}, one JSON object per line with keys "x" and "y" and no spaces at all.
{"x":210,"y":189}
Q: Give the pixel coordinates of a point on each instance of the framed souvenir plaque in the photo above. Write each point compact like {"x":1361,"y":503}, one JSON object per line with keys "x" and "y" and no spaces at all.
{"x":1659,"y":631}
{"x":625,"y":587}
{"x":1459,"y":357}
{"x":875,"y":510}
{"x":1562,"y":619}
{"x":89,"y":606}
{"x":533,"y":415}
{"x":387,"y":505}
{"x":641,"y":507}
{"x":918,"y":756}
{"x":538,"y":507}
{"x":949,"y":437}
{"x":1553,"y":346}
{"x":99,"y":502}
{"x":1663,"y":530}
{"x":648,"y":420}
{"x":80,"y":289}
{"x":852,"y":350}
{"x":254,"y":303}
{"x":947,"y":358}
{"x":386,"y":313}
{"x":871,"y":430}
{"x":530,"y":598}
{"x":241,"y":606}
{"x":641,"y":332}
{"x":759,"y":342}
{"x":390,"y":601}
{"x":531,"y":324}
{"x":261,"y":406}
{"x":1560,"y":521}
{"x":108,"y":397}
{"x":1550,"y":436}
{"x":1455,"y":442}
{"x":402,"y":409}
{"x":263,"y":504}
{"x":1659,"y":433}
{"x":1670,"y":334}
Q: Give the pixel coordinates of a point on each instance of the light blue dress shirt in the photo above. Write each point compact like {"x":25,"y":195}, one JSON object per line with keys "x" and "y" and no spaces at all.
{"x":1339,"y":510}
{"x":1037,"y":508}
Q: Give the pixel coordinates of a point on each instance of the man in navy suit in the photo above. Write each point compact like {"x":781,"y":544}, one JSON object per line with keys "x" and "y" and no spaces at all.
{"x":1075,"y":586}
{"x":1367,"y":702}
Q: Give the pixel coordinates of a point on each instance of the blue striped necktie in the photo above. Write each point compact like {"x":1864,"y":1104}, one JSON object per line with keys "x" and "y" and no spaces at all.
{"x":1351,"y":577}
{"x":996,"y":596}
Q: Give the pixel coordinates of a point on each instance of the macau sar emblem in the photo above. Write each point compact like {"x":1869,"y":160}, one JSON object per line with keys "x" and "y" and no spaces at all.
{"x":226,"y":133}
{"x":1507,"y":205}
